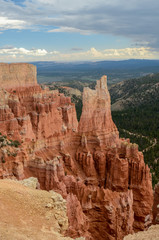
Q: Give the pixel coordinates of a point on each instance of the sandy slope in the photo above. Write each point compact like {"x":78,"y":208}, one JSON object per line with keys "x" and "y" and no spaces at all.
{"x":151,"y":234}
{"x":29,"y":214}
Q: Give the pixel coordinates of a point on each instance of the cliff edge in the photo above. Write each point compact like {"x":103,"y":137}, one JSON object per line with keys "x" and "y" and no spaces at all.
{"x":17,"y":75}
{"x":104,"y":179}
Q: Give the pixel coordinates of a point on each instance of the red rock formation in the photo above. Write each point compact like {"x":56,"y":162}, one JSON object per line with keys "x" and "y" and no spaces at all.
{"x":96,"y":117}
{"x":104,"y":178}
{"x":17,"y":75}
{"x":156,"y":205}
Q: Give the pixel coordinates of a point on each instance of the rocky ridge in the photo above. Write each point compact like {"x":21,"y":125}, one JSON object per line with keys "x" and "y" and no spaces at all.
{"x":103,"y":178}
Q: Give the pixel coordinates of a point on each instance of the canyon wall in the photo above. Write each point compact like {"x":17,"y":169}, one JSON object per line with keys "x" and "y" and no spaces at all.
{"x":17,"y":75}
{"x":156,"y":205}
{"x":103,"y":178}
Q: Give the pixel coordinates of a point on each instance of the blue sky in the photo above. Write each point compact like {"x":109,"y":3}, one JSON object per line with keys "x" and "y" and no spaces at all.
{"x":60,"y":30}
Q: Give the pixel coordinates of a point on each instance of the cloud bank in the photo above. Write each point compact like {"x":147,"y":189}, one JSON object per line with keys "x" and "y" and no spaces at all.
{"x":22,"y":54}
{"x":137,"y":20}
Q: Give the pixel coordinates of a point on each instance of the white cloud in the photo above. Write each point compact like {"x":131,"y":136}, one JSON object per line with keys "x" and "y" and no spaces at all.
{"x":70,"y":30}
{"x":54,"y":52}
{"x":118,"y":54}
{"x":23,"y":51}
{"x":6,"y":23}
{"x":93,"y":54}
{"x":128,"y":52}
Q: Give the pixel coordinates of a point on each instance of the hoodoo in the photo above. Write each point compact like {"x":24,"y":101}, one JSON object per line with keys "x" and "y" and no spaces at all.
{"x":103,"y":178}
{"x":96,"y":119}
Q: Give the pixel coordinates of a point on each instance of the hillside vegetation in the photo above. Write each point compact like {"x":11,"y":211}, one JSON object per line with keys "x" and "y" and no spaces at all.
{"x":135,"y":108}
{"x":135,"y":92}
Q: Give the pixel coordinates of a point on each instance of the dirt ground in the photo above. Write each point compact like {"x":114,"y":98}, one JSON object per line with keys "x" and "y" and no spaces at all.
{"x":151,"y":234}
{"x":27,"y":214}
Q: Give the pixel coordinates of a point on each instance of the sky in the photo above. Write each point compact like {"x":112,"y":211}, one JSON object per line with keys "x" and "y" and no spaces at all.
{"x":85,"y":30}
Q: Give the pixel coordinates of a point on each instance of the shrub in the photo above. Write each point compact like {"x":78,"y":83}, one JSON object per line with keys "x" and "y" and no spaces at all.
{"x":15,"y":143}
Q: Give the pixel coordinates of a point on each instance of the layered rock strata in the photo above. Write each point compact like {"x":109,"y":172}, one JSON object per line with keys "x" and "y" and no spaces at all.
{"x":156,"y":205}
{"x":17,"y":75}
{"x":103,"y":178}
{"x":96,"y":120}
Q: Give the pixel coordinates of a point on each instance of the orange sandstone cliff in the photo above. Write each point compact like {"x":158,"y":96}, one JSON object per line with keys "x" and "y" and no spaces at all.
{"x":17,"y":75}
{"x":103,"y":178}
{"x":156,"y":205}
